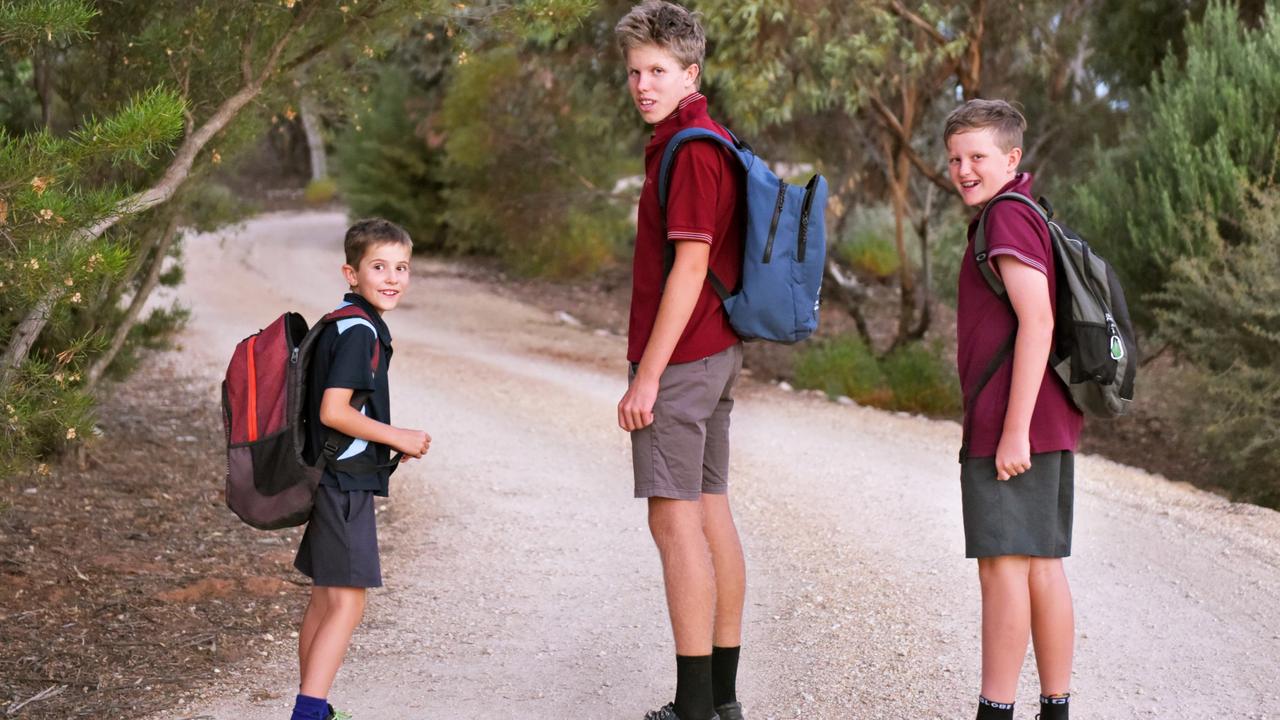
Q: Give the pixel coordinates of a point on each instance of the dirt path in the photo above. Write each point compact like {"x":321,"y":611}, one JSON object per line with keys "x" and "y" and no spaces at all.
{"x":521,"y":582}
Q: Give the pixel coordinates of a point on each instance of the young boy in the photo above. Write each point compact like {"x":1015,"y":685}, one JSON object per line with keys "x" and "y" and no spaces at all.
{"x":1016,"y":474}
{"x":684,"y":360}
{"x":348,"y":395}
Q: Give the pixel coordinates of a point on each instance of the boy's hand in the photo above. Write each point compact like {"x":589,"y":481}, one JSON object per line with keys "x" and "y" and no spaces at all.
{"x":413,"y":443}
{"x":635,"y":410}
{"x":1013,"y":455}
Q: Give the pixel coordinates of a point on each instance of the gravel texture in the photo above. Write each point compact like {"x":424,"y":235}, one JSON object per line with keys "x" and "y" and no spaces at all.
{"x":521,"y":581}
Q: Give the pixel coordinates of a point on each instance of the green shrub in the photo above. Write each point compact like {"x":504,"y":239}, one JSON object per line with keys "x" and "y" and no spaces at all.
{"x":320,"y":192}
{"x":1203,"y":127}
{"x":843,"y":366}
{"x":922,"y":380}
{"x":1224,"y":316}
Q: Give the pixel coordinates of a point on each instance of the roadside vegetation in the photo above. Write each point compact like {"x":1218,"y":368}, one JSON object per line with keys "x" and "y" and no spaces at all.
{"x":502,"y":132}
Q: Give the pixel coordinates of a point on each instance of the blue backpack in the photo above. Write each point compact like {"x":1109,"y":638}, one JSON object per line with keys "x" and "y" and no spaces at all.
{"x":784,"y":250}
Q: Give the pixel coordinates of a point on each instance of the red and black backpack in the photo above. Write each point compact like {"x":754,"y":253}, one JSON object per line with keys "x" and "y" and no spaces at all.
{"x":270,"y":483}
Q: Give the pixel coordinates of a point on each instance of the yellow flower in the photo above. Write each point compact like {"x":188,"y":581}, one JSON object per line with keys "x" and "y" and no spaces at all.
{"x":71,"y":433}
{"x":39,"y":184}
{"x":68,"y":281}
{"x":289,"y":112}
{"x":75,"y":299}
{"x":344,"y":8}
{"x":47,"y":214}
{"x":42,"y":468}
{"x":216,"y":157}
{"x":368,"y":51}
{"x":33,"y":264}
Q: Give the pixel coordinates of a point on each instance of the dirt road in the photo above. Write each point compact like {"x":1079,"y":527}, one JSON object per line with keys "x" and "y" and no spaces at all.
{"x":521,"y":582}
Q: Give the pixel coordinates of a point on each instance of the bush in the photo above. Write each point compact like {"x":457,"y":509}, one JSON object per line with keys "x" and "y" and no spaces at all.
{"x":922,"y":380}
{"x":385,"y":166}
{"x":1202,"y":128}
{"x":320,"y":192}
{"x":843,"y":366}
{"x":1221,"y":314}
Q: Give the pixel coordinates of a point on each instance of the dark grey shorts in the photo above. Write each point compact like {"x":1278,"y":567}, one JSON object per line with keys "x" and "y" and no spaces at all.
{"x":340,"y":545}
{"x":685,"y":452}
{"x":1029,"y":514}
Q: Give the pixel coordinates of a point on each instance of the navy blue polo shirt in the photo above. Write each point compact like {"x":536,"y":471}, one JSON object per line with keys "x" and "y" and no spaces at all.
{"x":343,"y":358}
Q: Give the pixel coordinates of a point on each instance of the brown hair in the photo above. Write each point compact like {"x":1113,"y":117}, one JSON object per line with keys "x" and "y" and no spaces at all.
{"x":667,"y":25}
{"x":370,"y":232}
{"x":996,"y":115}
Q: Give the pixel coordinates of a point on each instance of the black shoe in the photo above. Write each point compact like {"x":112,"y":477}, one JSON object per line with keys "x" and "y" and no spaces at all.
{"x":668,"y":712}
{"x":729,"y":711}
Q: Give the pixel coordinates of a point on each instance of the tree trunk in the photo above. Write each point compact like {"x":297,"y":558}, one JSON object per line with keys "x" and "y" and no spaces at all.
{"x":135,"y":307}
{"x":852,"y":295}
{"x":899,"y":179}
{"x":313,"y":129}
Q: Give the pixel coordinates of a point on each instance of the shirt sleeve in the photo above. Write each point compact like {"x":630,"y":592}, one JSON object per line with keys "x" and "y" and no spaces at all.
{"x":1015,"y":229}
{"x":352,"y":361}
{"x":693,"y":193}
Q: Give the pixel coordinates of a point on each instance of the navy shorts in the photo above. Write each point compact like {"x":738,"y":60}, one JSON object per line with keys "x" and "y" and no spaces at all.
{"x":340,"y":545}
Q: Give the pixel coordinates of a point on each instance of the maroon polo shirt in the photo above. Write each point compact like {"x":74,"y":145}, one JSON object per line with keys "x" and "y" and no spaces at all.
{"x":984,"y":321}
{"x":704,"y":204}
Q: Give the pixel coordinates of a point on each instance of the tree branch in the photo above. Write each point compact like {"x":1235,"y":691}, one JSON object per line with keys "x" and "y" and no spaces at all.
{"x":28,"y":330}
{"x":930,"y":30}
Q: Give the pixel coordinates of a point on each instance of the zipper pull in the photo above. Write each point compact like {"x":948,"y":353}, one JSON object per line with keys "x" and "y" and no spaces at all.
{"x":293,"y":357}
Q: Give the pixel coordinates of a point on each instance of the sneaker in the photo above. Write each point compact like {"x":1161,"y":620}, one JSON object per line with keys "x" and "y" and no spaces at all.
{"x":668,"y":712}
{"x":335,"y":714}
{"x":729,"y":711}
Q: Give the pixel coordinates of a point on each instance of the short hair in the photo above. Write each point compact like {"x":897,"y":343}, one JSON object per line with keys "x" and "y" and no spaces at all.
{"x":996,"y":115}
{"x":667,"y":25}
{"x":370,"y":232}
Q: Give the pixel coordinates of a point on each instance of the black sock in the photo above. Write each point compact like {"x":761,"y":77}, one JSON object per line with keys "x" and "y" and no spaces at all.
{"x":724,"y":674}
{"x":1055,"y":707}
{"x":693,"y":687}
{"x":991,"y":710}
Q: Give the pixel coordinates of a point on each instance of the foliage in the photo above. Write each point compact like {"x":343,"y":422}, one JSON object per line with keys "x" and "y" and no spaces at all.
{"x":533,"y":153}
{"x":922,"y":380}
{"x":843,"y":366}
{"x":162,"y":95}
{"x":386,"y":166}
{"x":320,"y":192}
{"x":912,"y":378}
{"x":1202,"y":132}
{"x":1223,"y":314}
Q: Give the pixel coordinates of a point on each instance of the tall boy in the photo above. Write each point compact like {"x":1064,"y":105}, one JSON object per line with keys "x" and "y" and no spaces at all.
{"x":1016,"y":477}
{"x":339,"y":550}
{"x":684,"y":360}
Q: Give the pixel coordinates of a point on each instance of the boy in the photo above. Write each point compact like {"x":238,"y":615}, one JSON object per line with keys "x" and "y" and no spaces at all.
{"x":347,"y":395}
{"x":684,"y":360}
{"x":1016,"y":474}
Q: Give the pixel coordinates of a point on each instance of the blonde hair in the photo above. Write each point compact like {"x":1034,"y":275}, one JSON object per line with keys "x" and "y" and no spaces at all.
{"x":667,"y":25}
{"x":998,"y":115}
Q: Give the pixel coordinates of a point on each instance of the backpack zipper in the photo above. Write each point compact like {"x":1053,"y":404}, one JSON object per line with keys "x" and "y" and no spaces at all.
{"x":805,"y":207}
{"x":777,"y":213}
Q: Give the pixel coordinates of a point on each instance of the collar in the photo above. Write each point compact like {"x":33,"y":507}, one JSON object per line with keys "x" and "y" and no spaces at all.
{"x":1021,"y":183}
{"x":384,"y":333}
{"x":691,"y":108}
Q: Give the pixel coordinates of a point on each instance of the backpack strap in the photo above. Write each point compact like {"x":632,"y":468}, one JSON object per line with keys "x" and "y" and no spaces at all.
{"x":980,"y":238}
{"x":981,"y":256}
{"x":335,"y":442}
{"x":664,"y":181}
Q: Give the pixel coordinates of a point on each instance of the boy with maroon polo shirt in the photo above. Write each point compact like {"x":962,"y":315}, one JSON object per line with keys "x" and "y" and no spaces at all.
{"x":1021,"y":427}
{"x":684,"y":359}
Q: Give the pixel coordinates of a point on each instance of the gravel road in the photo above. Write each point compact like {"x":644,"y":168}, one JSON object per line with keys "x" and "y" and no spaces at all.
{"x":521,"y":582}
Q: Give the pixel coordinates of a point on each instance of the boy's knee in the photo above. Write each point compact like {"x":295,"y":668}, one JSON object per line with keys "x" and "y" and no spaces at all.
{"x":672,"y":522}
{"x":1003,"y":567}
{"x":1045,"y":569}
{"x":346,"y":600}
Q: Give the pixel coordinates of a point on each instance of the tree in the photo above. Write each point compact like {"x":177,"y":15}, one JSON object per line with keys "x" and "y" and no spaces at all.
{"x":1205,"y":130}
{"x":162,"y":95}
{"x":1220,"y":313}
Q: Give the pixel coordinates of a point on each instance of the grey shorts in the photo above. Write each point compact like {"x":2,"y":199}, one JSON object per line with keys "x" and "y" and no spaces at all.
{"x":1028,"y":514}
{"x":340,"y":545}
{"x":685,"y":452}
